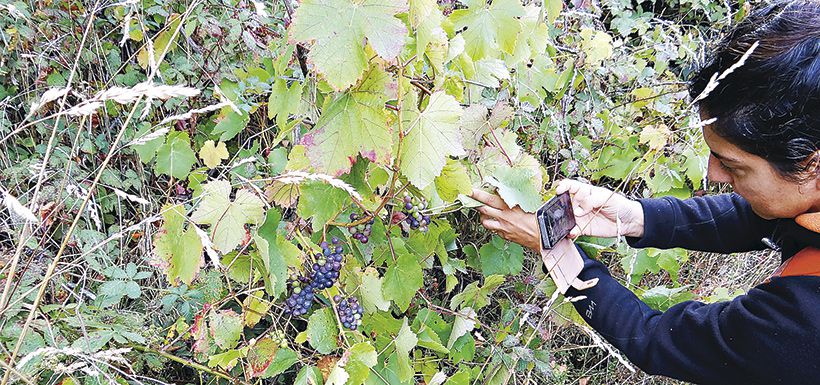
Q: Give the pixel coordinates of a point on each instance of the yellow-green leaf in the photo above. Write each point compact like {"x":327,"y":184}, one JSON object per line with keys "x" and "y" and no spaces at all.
{"x":162,"y":43}
{"x":212,"y":155}
{"x":178,"y":251}
{"x":227,"y":218}
{"x":338,"y":28}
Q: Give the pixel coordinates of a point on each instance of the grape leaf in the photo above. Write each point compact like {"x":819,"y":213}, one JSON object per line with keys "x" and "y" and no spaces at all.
{"x":226,"y":328}
{"x":212,"y":155}
{"x":463,"y":324}
{"x":309,"y":375}
{"x":227,"y":218}
{"x":501,"y":257}
{"x":426,"y":18}
{"x":489,"y":30}
{"x":432,"y":136}
{"x":477,"y":297}
{"x":277,"y":253}
{"x":337,"y":376}
{"x":283,"y":101}
{"x":226,"y":360}
{"x":229,"y":123}
{"x":554,"y":8}
{"x":261,"y":355}
{"x":473,"y":127}
{"x":597,"y":45}
{"x":179,"y":251}
{"x":516,"y":188}
{"x":453,"y":180}
{"x":662,"y":297}
{"x":655,"y":135}
{"x":371,"y":292}
{"x":462,"y":377}
{"x":402,"y":280}
{"x":320,"y":202}
{"x":284,"y":359}
{"x":147,"y":150}
{"x":338,"y":53}
{"x":430,"y":340}
{"x":695,"y":166}
{"x":463,"y":349}
{"x":406,"y":340}
{"x":487,"y":72}
{"x":361,"y":357}
{"x":322,"y":331}
{"x":175,"y":157}
{"x":532,"y":41}
{"x":354,"y":123}
{"x":254,"y":307}
{"x":517,"y":175}
{"x":534,"y":79}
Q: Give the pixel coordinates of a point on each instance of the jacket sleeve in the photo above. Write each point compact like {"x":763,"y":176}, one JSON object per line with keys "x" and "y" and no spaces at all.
{"x":719,"y":223}
{"x":755,"y":338}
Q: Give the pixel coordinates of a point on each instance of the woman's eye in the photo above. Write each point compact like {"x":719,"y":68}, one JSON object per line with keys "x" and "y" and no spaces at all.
{"x":725,"y":167}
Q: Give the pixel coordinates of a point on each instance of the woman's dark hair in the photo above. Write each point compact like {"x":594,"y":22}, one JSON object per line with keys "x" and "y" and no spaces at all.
{"x":770,"y":106}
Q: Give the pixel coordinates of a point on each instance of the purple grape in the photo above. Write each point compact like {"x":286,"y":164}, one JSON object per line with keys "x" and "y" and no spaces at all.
{"x":350,"y":312}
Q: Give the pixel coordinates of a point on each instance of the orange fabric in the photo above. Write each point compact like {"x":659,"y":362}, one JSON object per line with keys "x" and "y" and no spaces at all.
{"x":805,"y":262}
{"x":810,"y":221}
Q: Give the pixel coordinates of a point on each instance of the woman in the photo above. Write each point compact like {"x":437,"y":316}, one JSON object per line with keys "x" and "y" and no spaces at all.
{"x":764,"y":140}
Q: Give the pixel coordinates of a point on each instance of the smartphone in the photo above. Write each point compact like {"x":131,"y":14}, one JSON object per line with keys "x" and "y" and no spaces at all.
{"x":555,"y":220}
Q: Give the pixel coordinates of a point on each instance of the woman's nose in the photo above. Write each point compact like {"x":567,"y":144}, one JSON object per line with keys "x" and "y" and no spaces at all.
{"x":715,"y":173}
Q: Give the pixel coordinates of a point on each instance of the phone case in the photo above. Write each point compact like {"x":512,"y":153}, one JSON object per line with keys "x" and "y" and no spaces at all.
{"x":555,"y":220}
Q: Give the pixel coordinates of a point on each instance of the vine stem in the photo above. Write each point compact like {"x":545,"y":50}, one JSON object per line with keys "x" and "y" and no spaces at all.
{"x":396,"y":162}
{"x":146,"y":349}
{"x":67,"y":237}
{"x":338,"y":319}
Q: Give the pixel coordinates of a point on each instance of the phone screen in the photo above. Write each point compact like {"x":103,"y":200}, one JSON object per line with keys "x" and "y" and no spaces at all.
{"x":555,"y":219}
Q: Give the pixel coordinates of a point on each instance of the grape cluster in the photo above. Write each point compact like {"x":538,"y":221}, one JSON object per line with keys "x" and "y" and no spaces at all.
{"x":350,"y":311}
{"x":279,"y":337}
{"x":412,"y":209}
{"x":360,"y":232}
{"x":327,"y":265}
{"x":301,"y":297}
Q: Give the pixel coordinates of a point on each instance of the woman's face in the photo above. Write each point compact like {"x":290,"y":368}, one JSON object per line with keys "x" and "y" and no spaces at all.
{"x":770,"y":195}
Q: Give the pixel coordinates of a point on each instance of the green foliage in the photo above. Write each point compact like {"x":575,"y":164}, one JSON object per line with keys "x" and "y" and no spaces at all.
{"x":499,"y":257}
{"x":322,"y":331}
{"x":402,"y":279}
{"x":179,"y":250}
{"x":175,"y":157}
{"x":301,"y":117}
{"x":227,"y":217}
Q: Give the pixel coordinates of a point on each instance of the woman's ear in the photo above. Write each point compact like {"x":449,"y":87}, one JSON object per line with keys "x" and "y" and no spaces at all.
{"x":814,"y":169}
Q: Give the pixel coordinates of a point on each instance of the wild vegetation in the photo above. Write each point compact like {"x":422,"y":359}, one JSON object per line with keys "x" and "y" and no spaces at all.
{"x":272,"y":191}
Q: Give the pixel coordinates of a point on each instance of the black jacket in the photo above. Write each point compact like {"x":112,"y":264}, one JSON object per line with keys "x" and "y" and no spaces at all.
{"x":771,"y":335}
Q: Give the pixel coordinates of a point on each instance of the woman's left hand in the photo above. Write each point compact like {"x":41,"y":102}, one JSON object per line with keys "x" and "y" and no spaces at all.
{"x":512,"y":224}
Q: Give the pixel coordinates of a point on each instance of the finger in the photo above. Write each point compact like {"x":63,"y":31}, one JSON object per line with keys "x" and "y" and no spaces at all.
{"x":490,"y":211}
{"x":582,"y":202}
{"x":489,"y":199}
{"x":574,"y":233}
{"x":568,"y":185}
{"x":491,"y":224}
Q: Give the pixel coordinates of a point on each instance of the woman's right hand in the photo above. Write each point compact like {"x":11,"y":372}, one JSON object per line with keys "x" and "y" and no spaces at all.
{"x":600,"y":212}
